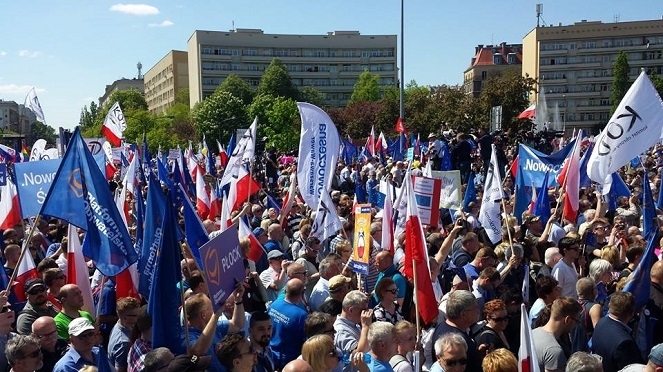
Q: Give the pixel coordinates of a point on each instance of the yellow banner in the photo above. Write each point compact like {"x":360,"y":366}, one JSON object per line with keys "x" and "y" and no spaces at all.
{"x":361,"y":251}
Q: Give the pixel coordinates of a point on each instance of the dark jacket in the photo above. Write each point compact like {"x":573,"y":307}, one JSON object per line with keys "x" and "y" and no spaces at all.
{"x":613,"y":341}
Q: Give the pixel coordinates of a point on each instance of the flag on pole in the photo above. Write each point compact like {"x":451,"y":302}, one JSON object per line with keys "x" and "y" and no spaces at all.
{"x":202,"y":198}
{"x":257,"y":250}
{"x":26,"y":270}
{"x":639,"y":283}
{"x":633,"y":127}
{"x":569,"y":176}
{"x":32,"y":103}
{"x":231,"y":144}
{"x":114,"y":125}
{"x":370,"y":142}
{"x":387,"y":221}
{"x":489,"y":214}
{"x":195,"y":232}
{"x":529,"y":112}
{"x":527,"y":359}
{"x":10,"y":210}
{"x":77,"y":270}
{"x":542,"y":205}
{"x":649,"y":222}
{"x":80,"y":195}
{"x":250,"y":139}
{"x":415,"y":253}
{"x":470,"y":192}
{"x":326,"y":222}
{"x":223,"y":155}
{"x":400,"y":128}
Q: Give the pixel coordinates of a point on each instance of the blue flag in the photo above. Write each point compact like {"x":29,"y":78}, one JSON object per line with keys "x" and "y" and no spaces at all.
{"x":470,"y":192}
{"x":153,"y":236}
{"x":145,"y":151}
{"x":195,"y":233}
{"x":140,"y":217}
{"x":211,"y":163}
{"x":659,"y":202}
{"x":542,"y":206}
{"x":349,"y":152}
{"x":164,"y":299}
{"x":585,"y":181}
{"x":80,"y":195}
{"x":231,"y":144}
{"x":360,"y":192}
{"x":640,"y":284}
{"x":617,"y":189}
{"x":163,"y":174}
{"x":649,"y":223}
{"x":272,"y":203}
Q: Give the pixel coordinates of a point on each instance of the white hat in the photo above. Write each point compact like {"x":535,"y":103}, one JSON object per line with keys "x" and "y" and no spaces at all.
{"x":79,"y":325}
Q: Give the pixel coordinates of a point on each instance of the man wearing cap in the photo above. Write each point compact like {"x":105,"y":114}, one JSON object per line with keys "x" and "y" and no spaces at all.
{"x":37,"y":306}
{"x":82,"y":338}
{"x":654,"y":362}
{"x":434,"y":149}
{"x":328,"y":269}
{"x":274,"y":278}
{"x":162,"y":359}
{"x":339,"y":286}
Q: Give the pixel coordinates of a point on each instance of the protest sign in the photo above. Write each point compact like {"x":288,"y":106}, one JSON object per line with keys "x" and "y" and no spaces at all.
{"x":450,"y":195}
{"x":361,"y":250}
{"x":427,"y":195}
{"x":223,"y":265}
{"x":34,"y":179}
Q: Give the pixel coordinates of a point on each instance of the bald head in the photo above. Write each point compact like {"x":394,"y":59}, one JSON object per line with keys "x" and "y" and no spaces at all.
{"x":297,"y":365}
{"x":295,"y":268}
{"x":294,"y":289}
{"x":42,"y":323}
{"x":275,"y":231}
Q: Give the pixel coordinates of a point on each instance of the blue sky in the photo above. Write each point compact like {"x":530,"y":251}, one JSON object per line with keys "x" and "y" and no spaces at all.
{"x":70,"y":49}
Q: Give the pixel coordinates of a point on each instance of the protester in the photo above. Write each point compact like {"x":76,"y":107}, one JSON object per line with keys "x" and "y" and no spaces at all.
{"x":24,"y":354}
{"x":52,"y":347}
{"x":82,"y":351}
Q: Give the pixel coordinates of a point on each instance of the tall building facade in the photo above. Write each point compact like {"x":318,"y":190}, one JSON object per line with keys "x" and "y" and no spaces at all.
{"x":121,"y":84}
{"x":574,"y":64}
{"x":490,"y":60}
{"x":165,"y":79}
{"x":330,"y":63}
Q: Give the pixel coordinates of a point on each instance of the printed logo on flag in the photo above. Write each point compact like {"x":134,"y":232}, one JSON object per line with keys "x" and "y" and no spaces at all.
{"x":75,"y":183}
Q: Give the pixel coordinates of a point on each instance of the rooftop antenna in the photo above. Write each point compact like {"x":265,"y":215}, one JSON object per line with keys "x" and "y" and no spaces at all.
{"x":233,"y":25}
{"x":539,"y":12}
{"x":140,"y":67}
{"x":616,"y":18}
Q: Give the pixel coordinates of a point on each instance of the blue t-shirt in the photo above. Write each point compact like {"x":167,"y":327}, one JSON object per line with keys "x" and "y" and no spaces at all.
{"x":219,"y":334}
{"x":288,"y":333}
{"x":375,"y":365}
{"x":118,"y":346}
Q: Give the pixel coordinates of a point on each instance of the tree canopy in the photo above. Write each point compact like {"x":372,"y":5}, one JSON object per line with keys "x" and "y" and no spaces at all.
{"x":366,"y":89}
{"x":620,"y":81}
{"x":276,"y":81}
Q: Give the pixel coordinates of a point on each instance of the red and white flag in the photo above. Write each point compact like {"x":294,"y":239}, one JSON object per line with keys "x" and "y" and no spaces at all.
{"x":381,"y":144}
{"x":527,"y":360}
{"x":202,"y":198}
{"x":532,"y":203}
{"x":26,"y":270}
{"x":214,"y":205}
{"x":77,"y":270}
{"x":114,"y":125}
{"x":10,"y":210}
{"x":415,"y":252}
{"x":529,"y":112}
{"x":400,"y":128}
{"x":225,"y":220}
{"x":223,"y":155}
{"x":241,"y":189}
{"x":257,"y":250}
{"x":289,"y":198}
{"x":387,"y":221}
{"x":569,"y":177}
{"x":370,"y":142}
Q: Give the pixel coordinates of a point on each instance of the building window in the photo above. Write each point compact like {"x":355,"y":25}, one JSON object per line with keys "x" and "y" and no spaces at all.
{"x":511,"y":58}
{"x":206,"y":51}
{"x":347,"y":68}
{"x":333,"y":68}
{"x":497,"y":59}
{"x":484,"y":74}
{"x":250,"y":52}
{"x":348,"y":53}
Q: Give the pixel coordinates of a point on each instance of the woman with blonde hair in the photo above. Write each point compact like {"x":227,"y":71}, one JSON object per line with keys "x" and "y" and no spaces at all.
{"x":500,"y":360}
{"x":319,"y":351}
{"x":406,"y":338}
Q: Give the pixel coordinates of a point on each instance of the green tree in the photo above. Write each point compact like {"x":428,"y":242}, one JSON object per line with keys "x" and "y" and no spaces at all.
{"x":657,"y":80}
{"x":238,"y":87}
{"x":312,"y":96}
{"x":219,"y":115}
{"x":283,"y":126}
{"x":276,"y":81}
{"x":509,"y":90}
{"x":88,"y":116}
{"x":620,"y":80}
{"x":366,"y":89}
{"x":39,"y":130}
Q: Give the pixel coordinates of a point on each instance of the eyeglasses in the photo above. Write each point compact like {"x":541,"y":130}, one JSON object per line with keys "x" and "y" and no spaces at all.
{"x":33,"y":354}
{"x":301,"y":273}
{"x":86,"y":335}
{"x":601,"y":228}
{"x":501,"y":319}
{"x":50,"y":334}
{"x":452,"y":362}
{"x":6,"y":309}
{"x":37,"y":290}
{"x":392,"y":291}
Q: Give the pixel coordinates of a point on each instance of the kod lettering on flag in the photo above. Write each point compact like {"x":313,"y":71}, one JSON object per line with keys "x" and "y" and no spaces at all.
{"x":34,"y":179}
{"x":319,"y":148}
{"x":223,"y":265}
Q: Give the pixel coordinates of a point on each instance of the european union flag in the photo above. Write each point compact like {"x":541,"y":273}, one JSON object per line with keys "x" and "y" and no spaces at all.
{"x":153,"y":235}
{"x":80,"y":195}
{"x":164,"y":300}
{"x":195,"y":233}
{"x":542,"y":206}
{"x":640,"y":284}
{"x":470,"y":192}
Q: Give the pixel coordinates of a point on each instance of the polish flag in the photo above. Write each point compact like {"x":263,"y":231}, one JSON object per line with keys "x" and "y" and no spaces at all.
{"x":400,"y":128}
{"x":257,"y":250}
{"x":225,"y":215}
{"x":532,"y":204}
{"x":529,"y":112}
{"x":114,"y":125}
{"x":223,"y":155}
{"x":514,"y":168}
{"x":25,"y":270}
{"x":10,"y":210}
{"x":527,"y":360}
{"x":77,"y":269}
{"x":415,"y":253}
{"x":244,"y":185}
{"x":381,"y":144}
{"x":289,"y":198}
{"x":370,"y":142}
{"x":203,"y":204}
{"x":569,"y":177}
{"x":214,"y":205}
{"x":387,"y":222}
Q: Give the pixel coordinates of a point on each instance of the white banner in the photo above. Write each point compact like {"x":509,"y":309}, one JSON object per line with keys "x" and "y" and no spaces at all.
{"x":318,"y":153}
{"x":326,"y":221}
{"x":114,"y":124}
{"x":38,"y":149}
{"x":450,"y":194}
{"x":634,"y":127}
{"x":489,"y":214}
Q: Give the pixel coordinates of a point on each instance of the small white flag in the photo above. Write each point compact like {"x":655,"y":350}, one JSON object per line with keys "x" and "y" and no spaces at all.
{"x":32,"y":103}
{"x":489,"y":214}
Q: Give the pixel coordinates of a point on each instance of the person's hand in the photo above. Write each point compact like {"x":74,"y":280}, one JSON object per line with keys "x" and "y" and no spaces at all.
{"x":254,"y":275}
{"x":366,"y":318}
{"x":4,"y":299}
{"x":357,"y":361}
{"x":485,"y":349}
{"x":285,"y":264}
{"x":582,"y":261}
{"x":514,"y":261}
{"x":247,"y":208}
{"x":239,"y":291}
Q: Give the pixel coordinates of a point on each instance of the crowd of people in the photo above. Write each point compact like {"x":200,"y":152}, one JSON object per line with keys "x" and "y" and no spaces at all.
{"x":301,"y":308}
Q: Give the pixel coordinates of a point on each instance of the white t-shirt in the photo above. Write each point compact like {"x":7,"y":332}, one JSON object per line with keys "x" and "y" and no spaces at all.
{"x":566,"y":276}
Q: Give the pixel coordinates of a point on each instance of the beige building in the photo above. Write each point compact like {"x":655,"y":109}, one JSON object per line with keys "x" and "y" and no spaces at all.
{"x":165,"y":79}
{"x":490,"y":60}
{"x":330,"y":63}
{"x":121,"y":84}
{"x":574,"y":64}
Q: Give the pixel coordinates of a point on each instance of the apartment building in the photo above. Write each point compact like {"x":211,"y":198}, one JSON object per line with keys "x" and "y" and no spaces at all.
{"x":490,"y":60}
{"x":574,"y":64}
{"x":330,"y":63}
{"x":165,"y":79}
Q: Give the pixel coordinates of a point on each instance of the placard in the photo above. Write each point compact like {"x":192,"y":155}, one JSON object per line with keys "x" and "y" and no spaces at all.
{"x":450,"y":195}
{"x":361,"y":249}
{"x":427,"y":195}
{"x":223,"y":265}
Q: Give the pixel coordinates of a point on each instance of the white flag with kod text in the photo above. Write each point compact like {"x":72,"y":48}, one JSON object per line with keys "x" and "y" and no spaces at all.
{"x":319,"y":146}
{"x":240,"y":155}
{"x":32,"y":103}
{"x":114,"y":125}
{"x":326,"y":222}
{"x":250,"y":138}
{"x":634,"y":127}
{"x":489,"y":214}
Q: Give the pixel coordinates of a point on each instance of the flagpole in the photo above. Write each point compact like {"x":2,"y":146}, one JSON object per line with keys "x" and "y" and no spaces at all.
{"x":506,"y":223}
{"x":416,"y":303}
{"x":26,"y":242}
